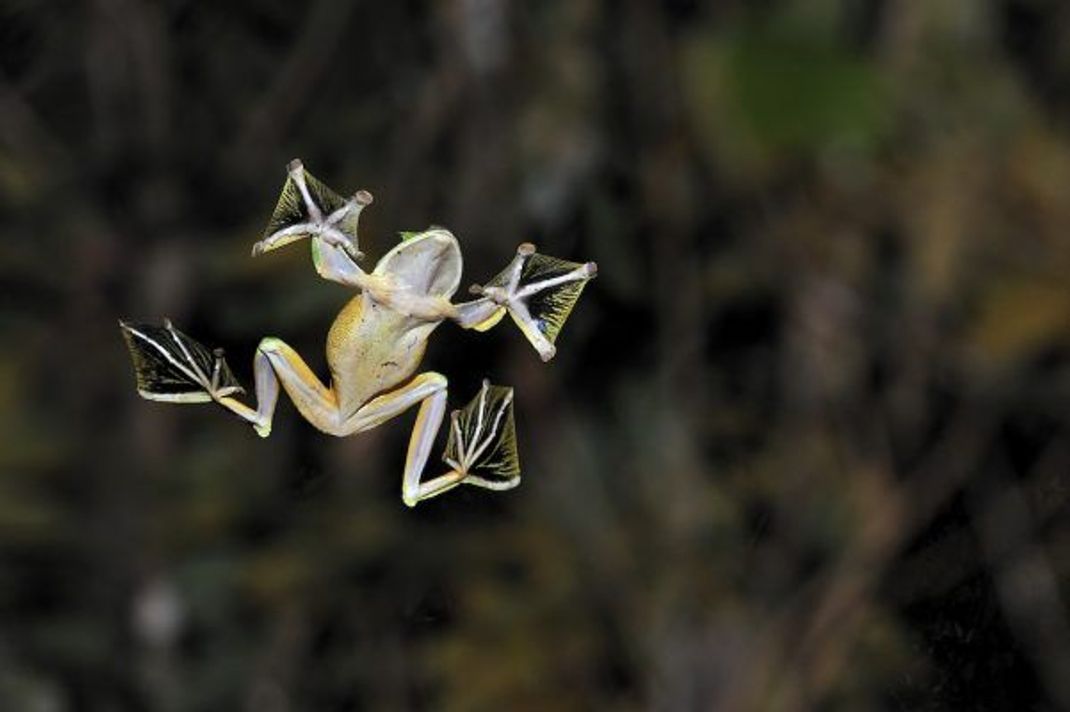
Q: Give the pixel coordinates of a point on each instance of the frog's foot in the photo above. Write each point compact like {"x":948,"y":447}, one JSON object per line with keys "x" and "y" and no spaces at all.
{"x":308,"y":208}
{"x":172,"y":367}
{"x":539,"y":292}
{"x":481,"y":448}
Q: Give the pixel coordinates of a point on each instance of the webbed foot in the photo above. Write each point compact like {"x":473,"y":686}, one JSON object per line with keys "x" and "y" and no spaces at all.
{"x":172,"y":367}
{"x":308,"y":208}
{"x":539,"y":292}
{"x":481,"y":447}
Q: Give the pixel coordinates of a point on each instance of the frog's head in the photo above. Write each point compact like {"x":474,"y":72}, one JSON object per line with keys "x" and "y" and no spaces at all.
{"x":428,"y":262}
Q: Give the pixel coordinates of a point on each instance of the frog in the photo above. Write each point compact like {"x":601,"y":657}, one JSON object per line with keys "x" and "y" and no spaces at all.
{"x":376,"y":344}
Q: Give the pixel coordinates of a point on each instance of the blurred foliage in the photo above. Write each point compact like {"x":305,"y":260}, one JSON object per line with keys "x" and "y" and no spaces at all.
{"x":804,"y":445}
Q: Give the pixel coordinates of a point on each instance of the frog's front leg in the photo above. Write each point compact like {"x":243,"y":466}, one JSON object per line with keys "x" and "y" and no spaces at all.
{"x":334,"y":264}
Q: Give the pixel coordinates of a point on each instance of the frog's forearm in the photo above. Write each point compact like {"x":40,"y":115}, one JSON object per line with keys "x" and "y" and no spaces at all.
{"x":430,"y":308}
{"x":479,"y":314}
{"x":334,"y":264}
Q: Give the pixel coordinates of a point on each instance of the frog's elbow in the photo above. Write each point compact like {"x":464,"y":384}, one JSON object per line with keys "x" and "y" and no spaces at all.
{"x":433,"y":309}
{"x":449,"y":310}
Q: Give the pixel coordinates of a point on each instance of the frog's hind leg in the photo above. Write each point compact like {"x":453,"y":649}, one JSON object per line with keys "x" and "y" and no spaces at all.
{"x":171,"y":367}
{"x":277,"y":363}
{"x":429,"y":390}
{"x":482,"y":440}
{"x":482,"y":436}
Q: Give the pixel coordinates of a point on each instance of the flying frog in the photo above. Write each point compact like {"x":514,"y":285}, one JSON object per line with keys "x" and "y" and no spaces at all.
{"x":377,"y":341}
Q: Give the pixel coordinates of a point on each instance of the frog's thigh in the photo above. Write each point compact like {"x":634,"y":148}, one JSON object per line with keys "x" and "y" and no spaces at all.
{"x":393,"y":403}
{"x":315,"y":401}
{"x":429,"y":390}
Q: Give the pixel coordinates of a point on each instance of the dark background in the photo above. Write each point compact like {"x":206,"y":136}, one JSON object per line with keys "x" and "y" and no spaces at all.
{"x":805,"y":443}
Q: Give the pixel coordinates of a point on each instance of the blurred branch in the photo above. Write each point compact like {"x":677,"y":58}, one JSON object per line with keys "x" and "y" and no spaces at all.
{"x":22,"y":132}
{"x":809,"y":662}
{"x":309,"y":59}
{"x":1027,"y":585}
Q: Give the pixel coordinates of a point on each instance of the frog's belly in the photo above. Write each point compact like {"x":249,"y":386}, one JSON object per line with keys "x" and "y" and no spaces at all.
{"x":371,"y":349}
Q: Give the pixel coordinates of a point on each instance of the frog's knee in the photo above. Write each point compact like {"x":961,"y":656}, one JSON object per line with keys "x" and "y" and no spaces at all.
{"x":269,"y":344}
{"x":434,"y":379}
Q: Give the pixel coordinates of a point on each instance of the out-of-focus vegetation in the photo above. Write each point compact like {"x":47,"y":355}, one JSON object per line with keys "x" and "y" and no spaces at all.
{"x":805,"y":444}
